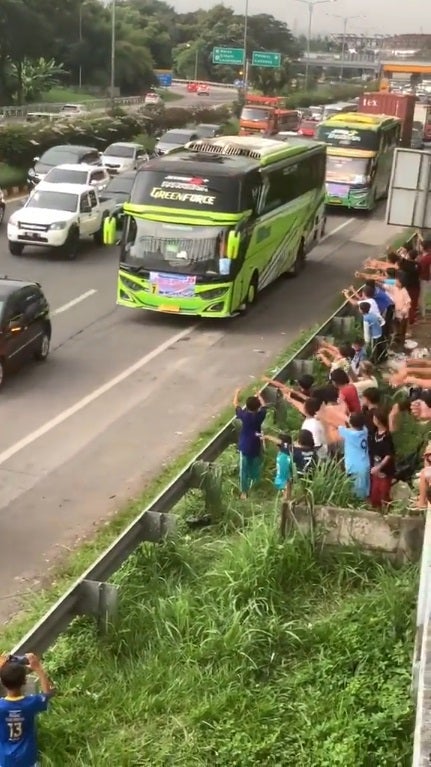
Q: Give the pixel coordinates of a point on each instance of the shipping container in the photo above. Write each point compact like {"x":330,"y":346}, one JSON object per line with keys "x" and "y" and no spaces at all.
{"x":393,"y":105}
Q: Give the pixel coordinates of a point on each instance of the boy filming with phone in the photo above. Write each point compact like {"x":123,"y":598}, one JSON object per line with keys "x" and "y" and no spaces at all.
{"x":18,"y":711}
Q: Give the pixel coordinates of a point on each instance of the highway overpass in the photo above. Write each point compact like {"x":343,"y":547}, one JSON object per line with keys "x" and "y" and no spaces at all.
{"x":362,"y":64}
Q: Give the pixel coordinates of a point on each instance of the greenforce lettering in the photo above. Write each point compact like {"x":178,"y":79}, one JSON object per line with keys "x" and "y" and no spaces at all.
{"x":199,"y":199}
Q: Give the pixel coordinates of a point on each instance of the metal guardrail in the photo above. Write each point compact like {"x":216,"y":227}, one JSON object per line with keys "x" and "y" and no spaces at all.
{"x":9,"y":112}
{"x":90,"y":594}
{"x":178,"y":81}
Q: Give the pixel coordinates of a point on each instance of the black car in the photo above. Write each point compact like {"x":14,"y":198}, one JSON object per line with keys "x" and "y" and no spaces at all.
{"x":61,"y":155}
{"x":119,"y":188}
{"x":2,"y":206}
{"x":209,"y":130}
{"x":25,"y":325}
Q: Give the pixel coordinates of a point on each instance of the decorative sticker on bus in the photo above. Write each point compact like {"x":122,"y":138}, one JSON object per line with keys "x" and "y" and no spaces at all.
{"x":218,"y":194}
{"x":349,"y":137}
{"x":173,"y":285}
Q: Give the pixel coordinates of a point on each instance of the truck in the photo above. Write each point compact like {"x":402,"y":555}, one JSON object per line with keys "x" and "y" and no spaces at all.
{"x":267,"y":115}
{"x":57,"y":216}
{"x":393,"y":105}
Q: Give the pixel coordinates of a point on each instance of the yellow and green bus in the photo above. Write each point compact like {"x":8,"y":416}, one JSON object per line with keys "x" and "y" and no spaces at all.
{"x":209,"y":226}
{"x":360,"y":153}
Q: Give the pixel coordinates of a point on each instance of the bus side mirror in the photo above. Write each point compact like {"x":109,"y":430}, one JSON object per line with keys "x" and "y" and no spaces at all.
{"x":233,"y":243}
{"x":110,"y":231}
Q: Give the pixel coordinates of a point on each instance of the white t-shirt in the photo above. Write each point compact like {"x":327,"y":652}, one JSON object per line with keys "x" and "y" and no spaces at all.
{"x":374,"y":309}
{"x":318,"y":432}
{"x":365,"y":383}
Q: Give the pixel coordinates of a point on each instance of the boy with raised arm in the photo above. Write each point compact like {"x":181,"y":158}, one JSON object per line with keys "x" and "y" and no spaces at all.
{"x":18,"y":711}
{"x":252,"y":417}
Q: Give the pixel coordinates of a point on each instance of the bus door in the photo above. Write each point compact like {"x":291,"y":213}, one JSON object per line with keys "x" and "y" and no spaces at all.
{"x":247,"y":261}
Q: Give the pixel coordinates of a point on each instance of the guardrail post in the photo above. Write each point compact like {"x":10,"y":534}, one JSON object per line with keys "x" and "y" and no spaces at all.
{"x":99,"y":600}
{"x":208,"y":477}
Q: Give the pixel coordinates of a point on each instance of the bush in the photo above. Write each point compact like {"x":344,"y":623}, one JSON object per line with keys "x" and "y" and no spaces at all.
{"x":19,"y":144}
{"x":323,"y":95}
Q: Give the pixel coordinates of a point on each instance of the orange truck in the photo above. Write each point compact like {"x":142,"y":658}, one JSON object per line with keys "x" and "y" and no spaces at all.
{"x":265,"y":114}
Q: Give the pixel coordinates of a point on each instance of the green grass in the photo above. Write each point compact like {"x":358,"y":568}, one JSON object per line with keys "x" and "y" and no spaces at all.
{"x":168,"y":95}
{"x":10,"y":176}
{"x":237,"y":650}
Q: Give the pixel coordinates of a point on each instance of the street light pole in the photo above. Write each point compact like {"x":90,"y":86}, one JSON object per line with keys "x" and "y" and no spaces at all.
{"x":113,"y":30}
{"x":80,"y":46}
{"x":310,"y":4}
{"x":345,"y":20}
{"x":196,"y":64}
{"x":245,"y":66}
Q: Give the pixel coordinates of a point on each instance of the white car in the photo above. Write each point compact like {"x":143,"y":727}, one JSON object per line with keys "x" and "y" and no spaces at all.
{"x":123,"y":156}
{"x":82,"y":175}
{"x":73,"y":110}
{"x":56,"y":216}
{"x":152,"y":99}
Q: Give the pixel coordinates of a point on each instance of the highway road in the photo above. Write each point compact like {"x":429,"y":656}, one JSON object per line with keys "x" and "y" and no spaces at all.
{"x":123,"y":392}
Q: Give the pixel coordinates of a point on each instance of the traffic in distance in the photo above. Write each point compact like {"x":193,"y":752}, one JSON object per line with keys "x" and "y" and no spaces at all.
{"x":207,"y":221}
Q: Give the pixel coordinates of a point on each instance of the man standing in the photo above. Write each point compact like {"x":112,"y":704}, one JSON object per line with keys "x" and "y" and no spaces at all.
{"x":425,"y":275}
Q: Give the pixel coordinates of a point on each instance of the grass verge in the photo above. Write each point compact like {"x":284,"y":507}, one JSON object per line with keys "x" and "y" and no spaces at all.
{"x":67,"y":95}
{"x":236,"y":650}
{"x":11,"y":176}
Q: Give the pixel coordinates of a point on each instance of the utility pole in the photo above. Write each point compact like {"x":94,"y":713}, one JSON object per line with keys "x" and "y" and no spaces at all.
{"x":113,"y":30}
{"x":310,"y":5}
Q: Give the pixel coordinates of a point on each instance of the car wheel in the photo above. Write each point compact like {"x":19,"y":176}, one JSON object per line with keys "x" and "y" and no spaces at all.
{"x":43,"y":349}
{"x":1,"y":213}
{"x":15,"y":248}
{"x":251,"y":295}
{"x":2,"y":372}
{"x":70,"y":247}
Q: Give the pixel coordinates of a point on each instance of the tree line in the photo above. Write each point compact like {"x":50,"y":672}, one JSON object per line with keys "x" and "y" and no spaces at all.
{"x":43,"y":42}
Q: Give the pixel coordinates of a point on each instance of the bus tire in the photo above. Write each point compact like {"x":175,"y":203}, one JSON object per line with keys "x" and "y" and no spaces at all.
{"x":252,"y":291}
{"x":323,"y":227}
{"x":299,"y":264}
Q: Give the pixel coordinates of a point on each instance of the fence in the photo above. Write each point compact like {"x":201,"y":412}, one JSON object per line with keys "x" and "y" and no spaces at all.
{"x":91,"y":594}
{"x":97,"y":105}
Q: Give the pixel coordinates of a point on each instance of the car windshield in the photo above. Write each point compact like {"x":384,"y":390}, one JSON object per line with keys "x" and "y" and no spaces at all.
{"x":255,"y":114}
{"x":351,"y":169}
{"x":176,"y":189}
{"x":53,"y":201}
{"x":175,"y":137}
{"x":117,"y":150}
{"x":173,"y":248}
{"x":58,"y":156}
{"x":61,"y":176}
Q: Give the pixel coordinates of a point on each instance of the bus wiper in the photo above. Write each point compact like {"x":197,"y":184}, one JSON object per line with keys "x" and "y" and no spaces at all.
{"x":134,"y":269}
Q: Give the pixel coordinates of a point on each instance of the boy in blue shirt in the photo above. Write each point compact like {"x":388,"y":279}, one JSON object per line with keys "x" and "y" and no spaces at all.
{"x":373,"y":333}
{"x":252,"y":417}
{"x":18,"y":744}
{"x":356,"y":455}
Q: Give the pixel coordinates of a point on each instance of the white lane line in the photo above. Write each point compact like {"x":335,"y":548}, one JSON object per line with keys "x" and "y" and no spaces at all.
{"x":337,"y":229}
{"x":73,"y":302}
{"x":92,"y":397}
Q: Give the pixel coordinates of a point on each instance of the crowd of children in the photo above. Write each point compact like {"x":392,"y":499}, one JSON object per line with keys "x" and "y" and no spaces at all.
{"x":347,"y":419}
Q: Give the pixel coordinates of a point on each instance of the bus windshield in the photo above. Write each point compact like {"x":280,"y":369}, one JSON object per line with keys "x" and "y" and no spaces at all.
{"x":349,"y":137}
{"x":218,"y":194}
{"x":174,"y":248}
{"x":353,"y":170}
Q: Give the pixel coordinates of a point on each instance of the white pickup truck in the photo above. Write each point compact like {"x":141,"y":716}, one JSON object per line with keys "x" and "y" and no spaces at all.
{"x":56,"y":216}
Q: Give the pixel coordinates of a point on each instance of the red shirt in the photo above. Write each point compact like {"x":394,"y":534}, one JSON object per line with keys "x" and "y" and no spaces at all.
{"x":425,"y":266}
{"x":349,"y":395}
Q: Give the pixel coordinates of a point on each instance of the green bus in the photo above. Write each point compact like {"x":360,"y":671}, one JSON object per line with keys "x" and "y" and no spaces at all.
{"x":360,"y":153}
{"x":210,"y":225}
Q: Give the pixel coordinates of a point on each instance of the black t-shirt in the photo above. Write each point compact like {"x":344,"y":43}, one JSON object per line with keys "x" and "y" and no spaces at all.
{"x":410,"y":270}
{"x":382,"y":445}
{"x":305,"y":460}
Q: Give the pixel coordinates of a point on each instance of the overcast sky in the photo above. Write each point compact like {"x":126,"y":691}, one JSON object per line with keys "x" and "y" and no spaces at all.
{"x":413,"y":16}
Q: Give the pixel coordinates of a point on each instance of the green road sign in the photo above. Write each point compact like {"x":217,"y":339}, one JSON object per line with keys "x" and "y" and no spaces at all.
{"x":228,"y":56}
{"x":265,"y":59}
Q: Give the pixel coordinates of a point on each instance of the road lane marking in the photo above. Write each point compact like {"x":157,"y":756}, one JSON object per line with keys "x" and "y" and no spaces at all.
{"x":92,"y":397}
{"x":337,"y":229}
{"x":73,"y":302}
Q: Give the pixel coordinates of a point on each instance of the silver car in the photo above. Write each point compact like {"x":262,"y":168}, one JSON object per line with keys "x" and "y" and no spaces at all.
{"x":124,"y":155}
{"x":175,"y":139}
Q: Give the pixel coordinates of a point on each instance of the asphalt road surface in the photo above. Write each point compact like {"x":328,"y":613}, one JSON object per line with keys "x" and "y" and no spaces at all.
{"x":124,"y":391}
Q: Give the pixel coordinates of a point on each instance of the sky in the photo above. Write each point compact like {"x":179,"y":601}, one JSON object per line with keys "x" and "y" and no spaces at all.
{"x":380,"y":16}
